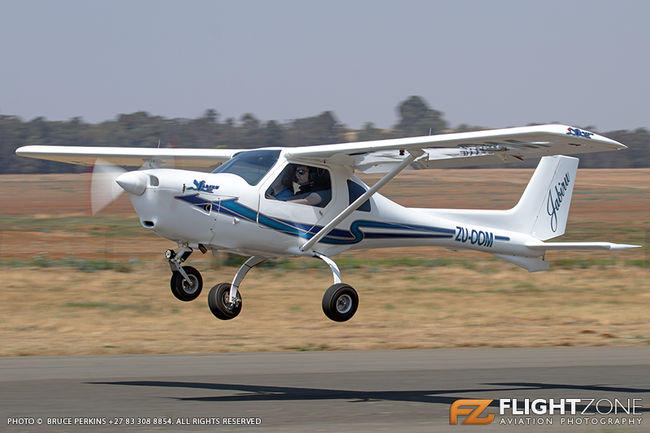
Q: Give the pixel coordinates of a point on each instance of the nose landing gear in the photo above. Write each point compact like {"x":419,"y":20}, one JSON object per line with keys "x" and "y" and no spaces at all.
{"x":186,"y":282}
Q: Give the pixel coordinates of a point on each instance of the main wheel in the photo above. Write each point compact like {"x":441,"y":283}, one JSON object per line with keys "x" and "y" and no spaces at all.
{"x":219,"y":305}
{"x":183,"y":290}
{"x":340,"y":302}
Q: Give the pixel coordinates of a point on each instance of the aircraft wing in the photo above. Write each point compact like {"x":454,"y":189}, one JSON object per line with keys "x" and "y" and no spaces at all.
{"x":438,"y":151}
{"x":129,"y":156}
{"x":459,"y":149}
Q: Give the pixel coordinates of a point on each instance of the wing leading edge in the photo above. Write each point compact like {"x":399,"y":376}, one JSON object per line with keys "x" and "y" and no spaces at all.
{"x":460,"y":149}
{"x":129,"y":156}
{"x":438,"y":151}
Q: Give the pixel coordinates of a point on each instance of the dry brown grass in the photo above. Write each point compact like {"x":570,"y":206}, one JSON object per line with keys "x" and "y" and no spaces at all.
{"x":475,"y":301}
{"x":64,"y":311}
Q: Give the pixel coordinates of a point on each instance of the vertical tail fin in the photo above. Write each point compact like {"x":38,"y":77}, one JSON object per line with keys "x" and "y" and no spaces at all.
{"x":543,"y":208}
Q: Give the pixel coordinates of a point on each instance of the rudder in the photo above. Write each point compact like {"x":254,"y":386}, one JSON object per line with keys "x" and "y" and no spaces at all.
{"x":543,"y":208}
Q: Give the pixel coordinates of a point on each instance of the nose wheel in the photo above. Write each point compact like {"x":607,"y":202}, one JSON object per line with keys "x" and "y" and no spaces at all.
{"x":186,"y":288}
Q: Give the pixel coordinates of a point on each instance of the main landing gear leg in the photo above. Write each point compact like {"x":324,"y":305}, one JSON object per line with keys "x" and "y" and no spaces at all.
{"x":186,"y":282}
{"x":224,"y":299}
{"x":340,"y":301}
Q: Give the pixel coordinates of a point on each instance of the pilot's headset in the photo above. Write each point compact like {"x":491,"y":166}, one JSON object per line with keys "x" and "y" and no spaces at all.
{"x":311,"y":174}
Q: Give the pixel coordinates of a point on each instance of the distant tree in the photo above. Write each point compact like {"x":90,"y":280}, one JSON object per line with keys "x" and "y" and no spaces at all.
{"x":321,"y":129}
{"x":416,"y":118}
{"x":208,"y":131}
{"x":250,"y":135}
{"x":230,"y":134}
{"x":273,"y":135}
{"x":464,"y":127}
{"x":369,"y":132}
{"x":211,"y":115}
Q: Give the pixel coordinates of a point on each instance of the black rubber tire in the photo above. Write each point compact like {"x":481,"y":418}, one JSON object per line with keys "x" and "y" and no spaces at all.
{"x":218,"y":302}
{"x":340,"y":302}
{"x":183,"y":291}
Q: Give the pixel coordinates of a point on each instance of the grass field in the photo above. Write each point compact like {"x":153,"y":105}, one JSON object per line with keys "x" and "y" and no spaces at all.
{"x":76,"y":284}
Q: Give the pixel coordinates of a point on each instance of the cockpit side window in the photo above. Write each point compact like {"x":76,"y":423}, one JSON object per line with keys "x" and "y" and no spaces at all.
{"x":302,"y":184}
{"x":354,"y":192}
{"x":250,"y":165}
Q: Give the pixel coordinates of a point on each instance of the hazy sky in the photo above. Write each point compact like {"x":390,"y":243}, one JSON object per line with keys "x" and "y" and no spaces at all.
{"x":489,"y":63}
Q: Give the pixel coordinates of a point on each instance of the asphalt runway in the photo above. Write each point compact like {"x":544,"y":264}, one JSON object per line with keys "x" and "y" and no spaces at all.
{"x":346,"y":391}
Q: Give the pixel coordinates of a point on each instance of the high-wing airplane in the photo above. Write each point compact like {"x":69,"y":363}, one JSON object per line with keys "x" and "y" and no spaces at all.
{"x":307,"y":201}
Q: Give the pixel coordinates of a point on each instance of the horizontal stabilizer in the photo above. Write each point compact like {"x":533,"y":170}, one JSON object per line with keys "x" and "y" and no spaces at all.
{"x":545,"y":246}
{"x":531,"y":264}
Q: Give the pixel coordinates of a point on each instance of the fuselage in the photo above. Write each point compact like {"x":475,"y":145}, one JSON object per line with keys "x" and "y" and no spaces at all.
{"x":227,"y":210}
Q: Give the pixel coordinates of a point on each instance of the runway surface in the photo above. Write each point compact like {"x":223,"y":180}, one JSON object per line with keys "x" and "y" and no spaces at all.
{"x":347,"y":391}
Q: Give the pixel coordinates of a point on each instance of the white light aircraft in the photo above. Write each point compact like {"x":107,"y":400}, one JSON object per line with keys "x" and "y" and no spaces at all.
{"x":307,"y":201}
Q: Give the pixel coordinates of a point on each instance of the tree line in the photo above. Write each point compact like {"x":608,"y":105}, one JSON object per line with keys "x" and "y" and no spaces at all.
{"x":141,"y":129}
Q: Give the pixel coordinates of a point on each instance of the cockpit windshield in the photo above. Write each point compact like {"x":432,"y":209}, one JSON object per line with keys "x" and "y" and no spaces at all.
{"x":250,"y":165}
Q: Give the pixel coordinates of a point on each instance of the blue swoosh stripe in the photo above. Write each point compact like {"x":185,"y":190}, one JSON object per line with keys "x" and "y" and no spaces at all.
{"x":336,"y":237}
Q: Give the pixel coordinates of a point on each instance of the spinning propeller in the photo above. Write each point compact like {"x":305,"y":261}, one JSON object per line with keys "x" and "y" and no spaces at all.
{"x":109,"y":181}
{"x":103,"y":188}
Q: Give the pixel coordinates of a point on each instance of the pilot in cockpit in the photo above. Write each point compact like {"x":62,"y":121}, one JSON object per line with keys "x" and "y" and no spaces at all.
{"x":314,"y":187}
{"x":311,"y":190}
{"x":282,"y":188}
